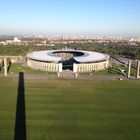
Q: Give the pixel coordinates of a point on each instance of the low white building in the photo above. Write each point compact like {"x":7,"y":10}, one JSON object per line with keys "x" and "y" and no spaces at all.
{"x":16,"y":40}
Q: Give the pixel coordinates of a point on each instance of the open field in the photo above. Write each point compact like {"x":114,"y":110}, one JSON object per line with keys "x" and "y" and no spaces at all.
{"x":60,"y":109}
{"x":15,"y":68}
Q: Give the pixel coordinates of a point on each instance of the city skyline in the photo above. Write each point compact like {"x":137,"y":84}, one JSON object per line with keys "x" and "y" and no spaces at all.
{"x":70,"y":17}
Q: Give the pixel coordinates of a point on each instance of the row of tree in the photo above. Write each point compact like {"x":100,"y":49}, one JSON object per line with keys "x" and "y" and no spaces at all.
{"x":112,"y":49}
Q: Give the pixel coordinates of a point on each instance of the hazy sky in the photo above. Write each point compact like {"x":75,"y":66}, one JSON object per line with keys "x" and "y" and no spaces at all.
{"x":106,"y":17}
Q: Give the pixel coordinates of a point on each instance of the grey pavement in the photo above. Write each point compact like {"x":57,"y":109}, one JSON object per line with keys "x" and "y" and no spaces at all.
{"x":67,"y":76}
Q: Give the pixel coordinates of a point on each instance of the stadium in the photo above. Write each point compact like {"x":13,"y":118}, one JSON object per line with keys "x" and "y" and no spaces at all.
{"x":75,"y":60}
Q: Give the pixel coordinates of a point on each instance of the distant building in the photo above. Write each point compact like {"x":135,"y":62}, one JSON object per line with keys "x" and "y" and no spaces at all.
{"x":16,"y":40}
{"x":138,"y":39}
{"x":132,"y":40}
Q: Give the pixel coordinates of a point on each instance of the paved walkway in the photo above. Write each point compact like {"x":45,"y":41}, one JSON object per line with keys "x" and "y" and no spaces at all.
{"x":66,"y":76}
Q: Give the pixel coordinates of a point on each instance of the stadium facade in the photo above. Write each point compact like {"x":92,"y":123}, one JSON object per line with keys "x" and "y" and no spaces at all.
{"x":76,"y":60}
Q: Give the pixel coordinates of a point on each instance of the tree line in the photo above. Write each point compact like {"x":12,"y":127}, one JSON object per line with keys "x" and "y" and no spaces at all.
{"x":113,"y":49}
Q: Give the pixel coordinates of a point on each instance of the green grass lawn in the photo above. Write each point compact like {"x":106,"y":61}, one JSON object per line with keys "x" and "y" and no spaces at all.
{"x":115,"y":70}
{"x":103,"y":72}
{"x":73,"y":109}
{"x":15,"y":68}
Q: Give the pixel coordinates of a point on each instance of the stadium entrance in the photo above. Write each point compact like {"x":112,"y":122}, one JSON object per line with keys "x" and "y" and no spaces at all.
{"x":68,"y":59}
{"x":68,"y":64}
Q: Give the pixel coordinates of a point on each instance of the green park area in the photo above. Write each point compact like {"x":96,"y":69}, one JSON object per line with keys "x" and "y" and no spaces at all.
{"x":61,"y":109}
{"x":15,"y":68}
{"x":116,"y":69}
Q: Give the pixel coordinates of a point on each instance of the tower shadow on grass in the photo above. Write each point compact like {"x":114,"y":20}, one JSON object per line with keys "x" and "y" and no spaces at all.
{"x":20,"y":121}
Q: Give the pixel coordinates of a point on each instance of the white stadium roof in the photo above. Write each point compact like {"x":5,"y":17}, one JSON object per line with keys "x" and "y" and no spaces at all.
{"x":48,"y":56}
{"x":43,"y":56}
